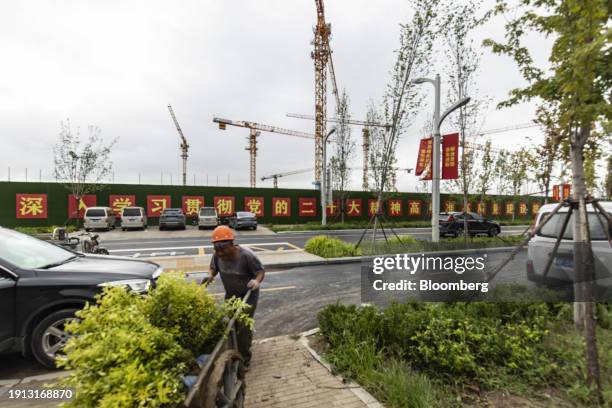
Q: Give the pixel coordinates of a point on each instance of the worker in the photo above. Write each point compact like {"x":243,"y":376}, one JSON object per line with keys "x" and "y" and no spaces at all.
{"x":240,"y":270}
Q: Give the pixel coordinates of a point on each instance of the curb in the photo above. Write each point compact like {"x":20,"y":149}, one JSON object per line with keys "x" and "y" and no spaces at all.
{"x":323,"y":231}
{"x":365,"y":397}
{"x":359,"y":259}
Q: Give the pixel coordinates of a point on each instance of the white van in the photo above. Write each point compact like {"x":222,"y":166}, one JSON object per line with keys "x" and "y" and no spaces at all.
{"x":99,"y":218}
{"x":133,"y":217}
{"x":562,"y":269}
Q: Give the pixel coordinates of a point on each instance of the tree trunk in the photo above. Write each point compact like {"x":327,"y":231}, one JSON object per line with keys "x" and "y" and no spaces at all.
{"x":584,"y":318}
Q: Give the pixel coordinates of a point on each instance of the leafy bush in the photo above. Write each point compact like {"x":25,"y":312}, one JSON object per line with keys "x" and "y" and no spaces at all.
{"x":328,"y":247}
{"x":131,"y":350}
{"x":489,"y":344}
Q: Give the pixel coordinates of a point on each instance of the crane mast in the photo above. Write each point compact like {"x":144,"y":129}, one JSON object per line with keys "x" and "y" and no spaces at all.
{"x":255,"y":130}
{"x":184,"y":145}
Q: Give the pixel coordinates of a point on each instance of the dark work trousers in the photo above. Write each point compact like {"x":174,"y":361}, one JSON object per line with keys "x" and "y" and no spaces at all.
{"x":244,"y":335}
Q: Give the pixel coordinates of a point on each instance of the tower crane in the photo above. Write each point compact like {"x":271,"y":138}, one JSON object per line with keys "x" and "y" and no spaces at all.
{"x":365,"y":145}
{"x":184,"y":145}
{"x":254,"y":131}
{"x":275,"y":177}
{"x":322,"y":57}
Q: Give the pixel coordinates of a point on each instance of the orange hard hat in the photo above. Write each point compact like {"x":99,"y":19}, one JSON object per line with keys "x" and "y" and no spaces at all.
{"x":222,"y":233}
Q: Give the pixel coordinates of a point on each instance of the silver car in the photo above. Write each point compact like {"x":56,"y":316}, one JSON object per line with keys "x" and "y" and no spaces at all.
{"x":99,"y":218}
{"x":133,"y":217}
{"x":207,"y":218}
{"x":243,"y":219}
{"x":562,"y":269}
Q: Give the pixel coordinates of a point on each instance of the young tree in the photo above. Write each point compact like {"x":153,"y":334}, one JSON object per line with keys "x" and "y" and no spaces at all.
{"x":461,"y":70}
{"x":608,"y":182}
{"x":545,"y":155}
{"x":579,"y":79}
{"x":519,"y":164}
{"x":82,"y":165}
{"x":486,"y":170}
{"x":501,"y":169}
{"x":401,"y":100}
{"x":344,"y":153}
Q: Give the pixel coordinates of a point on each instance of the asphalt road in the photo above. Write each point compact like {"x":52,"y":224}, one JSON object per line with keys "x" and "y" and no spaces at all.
{"x":290,"y":301}
{"x":176,"y":246}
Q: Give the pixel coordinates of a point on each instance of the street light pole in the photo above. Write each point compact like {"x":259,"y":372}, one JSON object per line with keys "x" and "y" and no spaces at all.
{"x":324,"y":179}
{"x":435,"y":174}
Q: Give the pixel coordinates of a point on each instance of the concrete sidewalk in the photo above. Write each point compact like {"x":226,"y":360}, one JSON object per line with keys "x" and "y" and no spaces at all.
{"x":284,"y":373}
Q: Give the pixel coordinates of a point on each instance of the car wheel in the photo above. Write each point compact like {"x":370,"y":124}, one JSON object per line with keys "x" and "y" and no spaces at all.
{"x":122,"y":229}
{"x":493,"y":232}
{"x":254,"y":228}
{"x":459,"y":232}
{"x":49,"y":337}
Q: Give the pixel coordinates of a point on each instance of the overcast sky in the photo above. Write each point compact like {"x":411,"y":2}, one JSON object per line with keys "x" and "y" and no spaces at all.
{"x":117,"y":64}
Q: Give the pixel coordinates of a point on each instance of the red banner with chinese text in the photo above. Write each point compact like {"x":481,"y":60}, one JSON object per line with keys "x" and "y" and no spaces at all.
{"x":450,"y":156}
{"x":192,"y":205}
{"x":156,"y":204}
{"x":424,"y":164}
{"x":119,"y":202}
{"x":307,"y":207}
{"x":281,"y":207}
{"x":353,"y":207}
{"x":254,"y":205}
{"x":225,"y":205}
{"x":31,"y":205}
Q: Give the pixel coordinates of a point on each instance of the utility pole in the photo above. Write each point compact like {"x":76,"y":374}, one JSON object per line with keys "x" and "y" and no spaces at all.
{"x":324,"y":178}
{"x":435,"y":185}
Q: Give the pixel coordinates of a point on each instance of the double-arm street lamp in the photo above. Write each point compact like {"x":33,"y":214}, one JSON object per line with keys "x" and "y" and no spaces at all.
{"x":435,"y":177}
{"x":324,"y":178}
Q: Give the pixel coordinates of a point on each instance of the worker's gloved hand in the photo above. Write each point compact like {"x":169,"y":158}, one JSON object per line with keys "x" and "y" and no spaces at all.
{"x":253,"y":284}
{"x":208,"y":280}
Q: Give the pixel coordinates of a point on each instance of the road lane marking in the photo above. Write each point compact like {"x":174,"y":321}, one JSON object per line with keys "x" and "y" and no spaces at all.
{"x":201,"y":251}
{"x":190,"y":247}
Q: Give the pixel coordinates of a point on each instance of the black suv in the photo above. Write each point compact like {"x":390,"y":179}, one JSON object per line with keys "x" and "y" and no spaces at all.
{"x":172,"y":218}
{"x":452,"y":224}
{"x":42,"y":285}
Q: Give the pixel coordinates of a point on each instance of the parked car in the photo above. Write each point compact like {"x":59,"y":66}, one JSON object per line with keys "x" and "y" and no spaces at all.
{"x":133,"y":217}
{"x":42,"y":285}
{"x":172,"y":218}
{"x":243,"y":219}
{"x":207,"y":217}
{"x":562,"y":271}
{"x":99,"y":218}
{"x":452,"y":224}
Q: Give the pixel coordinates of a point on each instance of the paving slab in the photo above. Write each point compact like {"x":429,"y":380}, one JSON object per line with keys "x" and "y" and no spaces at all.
{"x":284,"y":373}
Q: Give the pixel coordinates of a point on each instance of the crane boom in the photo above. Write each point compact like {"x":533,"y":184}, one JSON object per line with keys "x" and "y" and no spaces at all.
{"x":264,"y":128}
{"x":338,"y":120}
{"x":275,"y":177}
{"x":184,"y":145}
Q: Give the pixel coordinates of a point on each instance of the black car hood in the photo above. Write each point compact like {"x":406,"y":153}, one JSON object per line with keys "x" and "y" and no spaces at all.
{"x":108,"y":265}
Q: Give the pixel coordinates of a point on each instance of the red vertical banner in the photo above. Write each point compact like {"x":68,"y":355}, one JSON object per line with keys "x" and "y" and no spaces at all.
{"x":333,"y":208}
{"x":450,"y":156}
{"x":307,"y":207}
{"x":119,"y":202}
{"x":481,"y":208}
{"x":77,"y":210}
{"x":414,"y":208}
{"x":566,"y":189}
{"x":449,"y":206}
{"x":254,"y":205}
{"x":353,"y":207}
{"x":281,"y":206}
{"x":535,"y":207}
{"x":394,"y":208}
{"x":225,"y":205}
{"x":556,"y":195}
{"x":495,"y":208}
{"x":424,"y":164}
{"x":192,"y":205}
{"x":509,"y":208}
{"x":31,"y":206}
{"x":156,"y":204}
{"x":522,"y":208}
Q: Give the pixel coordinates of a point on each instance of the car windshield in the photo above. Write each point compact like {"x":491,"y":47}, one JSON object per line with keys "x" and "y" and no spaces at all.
{"x":131,"y":212}
{"x":26,"y":252}
{"x":95,"y":212}
{"x":207,"y":212}
{"x":552,"y":228}
{"x":241,"y":214}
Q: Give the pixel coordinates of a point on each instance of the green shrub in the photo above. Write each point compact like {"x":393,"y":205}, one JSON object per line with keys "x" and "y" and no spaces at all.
{"x":491,"y":344}
{"x":131,"y":350}
{"x":328,"y":247}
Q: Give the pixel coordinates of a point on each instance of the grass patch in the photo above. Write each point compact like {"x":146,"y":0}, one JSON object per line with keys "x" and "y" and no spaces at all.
{"x":43,"y":230}
{"x":429,"y":354}
{"x":328,"y":247}
{"x":316,"y":225}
